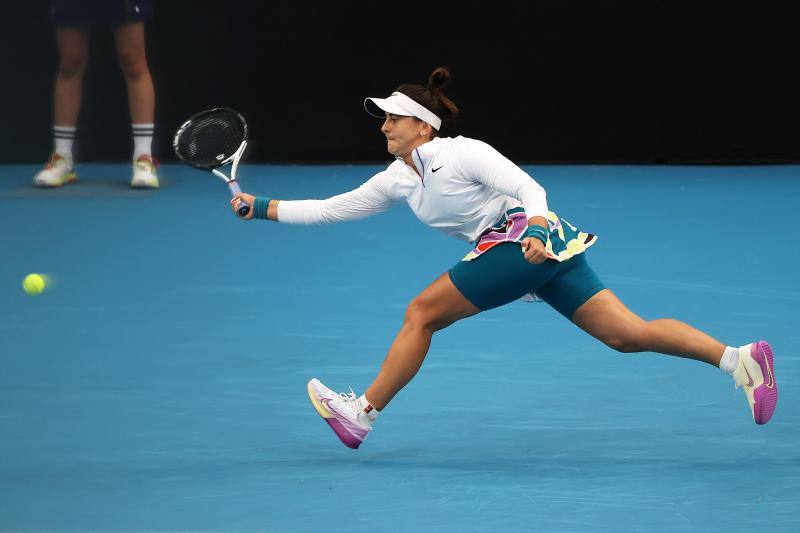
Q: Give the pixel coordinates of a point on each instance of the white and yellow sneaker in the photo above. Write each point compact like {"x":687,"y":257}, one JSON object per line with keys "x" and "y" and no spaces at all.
{"x":755,"y":373}
{"x":144,"y":173}
{"x":56,"y":173}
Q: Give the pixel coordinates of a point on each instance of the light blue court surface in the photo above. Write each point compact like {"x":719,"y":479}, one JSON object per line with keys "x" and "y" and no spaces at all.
{"x":159,"y":384}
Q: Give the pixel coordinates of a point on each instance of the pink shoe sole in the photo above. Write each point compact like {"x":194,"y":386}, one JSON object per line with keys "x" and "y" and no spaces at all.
{"x":766,"y":395}
{"x":347,"y":437}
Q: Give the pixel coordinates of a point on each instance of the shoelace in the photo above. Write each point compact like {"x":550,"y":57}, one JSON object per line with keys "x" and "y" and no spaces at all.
{"x":350,"y":399}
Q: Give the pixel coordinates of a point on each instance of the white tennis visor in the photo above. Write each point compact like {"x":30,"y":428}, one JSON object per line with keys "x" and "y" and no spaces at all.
{"x":400,"y":104}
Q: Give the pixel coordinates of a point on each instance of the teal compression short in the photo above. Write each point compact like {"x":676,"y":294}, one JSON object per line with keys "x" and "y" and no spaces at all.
{"x":502,"y":275}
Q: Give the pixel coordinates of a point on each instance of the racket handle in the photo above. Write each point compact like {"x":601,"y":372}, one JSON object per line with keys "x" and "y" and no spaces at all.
{"x":243,"y":209}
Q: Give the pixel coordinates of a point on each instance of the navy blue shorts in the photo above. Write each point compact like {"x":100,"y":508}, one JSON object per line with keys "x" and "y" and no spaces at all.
{"x":99,"y":13}
{"x":502,"y":275}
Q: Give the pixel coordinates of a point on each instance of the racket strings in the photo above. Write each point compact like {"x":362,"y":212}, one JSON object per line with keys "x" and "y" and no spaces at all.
{"x":211,"y":140}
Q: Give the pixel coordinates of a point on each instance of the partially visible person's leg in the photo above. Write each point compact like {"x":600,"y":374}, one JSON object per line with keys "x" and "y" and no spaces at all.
{"x":606,"y":318}
{"x":129,"y":41}
{"x":130,"y":44}
{"x":73,"y":54}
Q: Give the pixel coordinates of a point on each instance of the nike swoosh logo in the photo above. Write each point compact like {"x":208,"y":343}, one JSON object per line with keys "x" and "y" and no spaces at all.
{"x":435,"y":169}
{"x":771,"y":382}
{"x":749,"y":377}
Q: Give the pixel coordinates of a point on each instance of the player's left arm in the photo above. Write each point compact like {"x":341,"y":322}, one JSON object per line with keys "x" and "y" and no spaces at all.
{"x":488,"y":166}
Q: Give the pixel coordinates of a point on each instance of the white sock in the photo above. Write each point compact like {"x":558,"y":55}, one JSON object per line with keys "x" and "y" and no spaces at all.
{"x":142,"y":139}
{"x":63,"y":137}
{"x":730,"y":360}
{"x":367,"y":413}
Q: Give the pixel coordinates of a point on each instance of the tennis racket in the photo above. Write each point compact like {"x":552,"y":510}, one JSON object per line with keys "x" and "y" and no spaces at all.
{"x":211,"y":139}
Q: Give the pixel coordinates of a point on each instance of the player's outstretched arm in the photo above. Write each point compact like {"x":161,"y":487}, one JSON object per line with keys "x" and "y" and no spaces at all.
{"x":369,"y":199}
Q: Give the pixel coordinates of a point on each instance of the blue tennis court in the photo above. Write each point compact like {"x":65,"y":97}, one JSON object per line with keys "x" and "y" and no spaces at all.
{"x":159,"y":383}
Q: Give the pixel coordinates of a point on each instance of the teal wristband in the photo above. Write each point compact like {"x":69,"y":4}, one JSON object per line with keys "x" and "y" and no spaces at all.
{"x":260,"y":206}
{"x":537,"y":231}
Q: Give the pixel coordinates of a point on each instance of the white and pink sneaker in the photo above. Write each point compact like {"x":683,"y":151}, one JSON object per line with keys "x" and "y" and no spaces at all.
{"x":755,"y":373}
{"x":341,"y":412}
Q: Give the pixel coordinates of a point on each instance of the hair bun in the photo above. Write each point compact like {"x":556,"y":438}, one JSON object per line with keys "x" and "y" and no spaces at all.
{"x":439,"y":78}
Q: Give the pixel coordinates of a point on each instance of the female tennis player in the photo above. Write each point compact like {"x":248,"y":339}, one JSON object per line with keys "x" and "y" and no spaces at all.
{"x":468,"y":190}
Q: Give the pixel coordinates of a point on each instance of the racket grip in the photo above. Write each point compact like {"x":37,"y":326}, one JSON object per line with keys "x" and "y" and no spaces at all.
{"x":243,"y":209}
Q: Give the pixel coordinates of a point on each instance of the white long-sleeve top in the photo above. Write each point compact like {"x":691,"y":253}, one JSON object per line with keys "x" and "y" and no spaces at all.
{"x":463,"y":187}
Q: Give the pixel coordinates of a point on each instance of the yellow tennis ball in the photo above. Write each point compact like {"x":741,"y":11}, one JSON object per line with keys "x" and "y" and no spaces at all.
{"x":33,"y":284}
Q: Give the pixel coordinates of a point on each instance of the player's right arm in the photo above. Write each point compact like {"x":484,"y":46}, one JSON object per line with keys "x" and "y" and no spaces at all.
{"x":369,"y":199}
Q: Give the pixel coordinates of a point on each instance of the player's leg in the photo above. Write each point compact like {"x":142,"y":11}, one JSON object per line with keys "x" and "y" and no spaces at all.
{"x":500,"y":275}
{"x":438,"y":306}
{"x":73,"y":55}
{"x":129,"y":40}
{"x":606,"y":318}
{"x":579,"y":295}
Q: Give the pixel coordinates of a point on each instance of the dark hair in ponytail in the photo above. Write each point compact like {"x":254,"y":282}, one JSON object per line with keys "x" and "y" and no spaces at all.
{"x":432,"y":97}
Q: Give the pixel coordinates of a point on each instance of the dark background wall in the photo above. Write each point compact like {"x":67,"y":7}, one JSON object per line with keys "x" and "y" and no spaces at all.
{"x":555,"y":80}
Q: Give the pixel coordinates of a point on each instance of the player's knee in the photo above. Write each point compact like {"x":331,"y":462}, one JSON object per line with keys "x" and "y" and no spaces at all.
{"x":623,"y":345}
{"x":132,"y":62}
{"x":420,"y":314}
{"x":72,"y":65}
{"x":630,"y":341}
{"x":416,"y":314}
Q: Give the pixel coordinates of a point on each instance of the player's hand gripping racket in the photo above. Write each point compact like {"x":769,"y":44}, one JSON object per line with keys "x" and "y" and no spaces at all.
{"x":211,"y":139}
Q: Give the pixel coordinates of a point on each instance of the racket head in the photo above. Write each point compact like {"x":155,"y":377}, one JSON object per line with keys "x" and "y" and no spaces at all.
{"x":210,"y":138}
